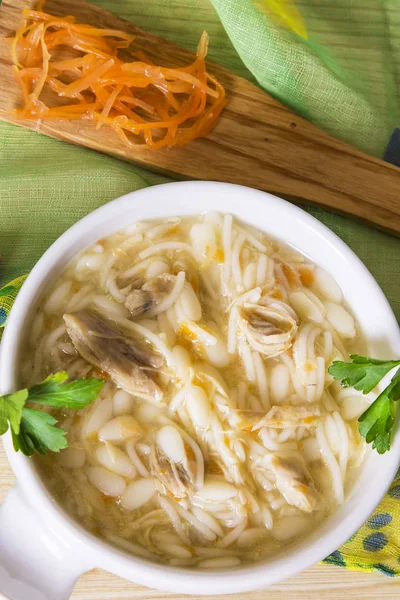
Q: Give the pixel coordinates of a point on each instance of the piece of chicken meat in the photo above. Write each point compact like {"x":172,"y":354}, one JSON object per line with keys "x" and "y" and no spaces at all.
{"x":128,"y":361}
{"x":295,"y":483}
{"x":278,"y":417}
{"x":148,"y":298}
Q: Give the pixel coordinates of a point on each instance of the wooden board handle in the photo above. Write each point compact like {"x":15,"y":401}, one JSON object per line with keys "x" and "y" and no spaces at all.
{"x":257,"y":142}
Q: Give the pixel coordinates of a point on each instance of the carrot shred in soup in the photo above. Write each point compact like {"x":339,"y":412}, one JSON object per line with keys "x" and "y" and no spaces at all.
{"x":219,"y":438}
{"x":70,"y":71}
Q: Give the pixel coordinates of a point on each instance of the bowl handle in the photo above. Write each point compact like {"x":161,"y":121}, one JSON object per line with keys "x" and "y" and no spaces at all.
{"x":35,"y":562}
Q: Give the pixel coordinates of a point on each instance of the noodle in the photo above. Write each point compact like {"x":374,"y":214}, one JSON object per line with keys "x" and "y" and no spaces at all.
{"x":332,"y":464}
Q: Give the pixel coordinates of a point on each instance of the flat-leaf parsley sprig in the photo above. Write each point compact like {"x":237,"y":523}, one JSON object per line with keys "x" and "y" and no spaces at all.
{"x":363,"y":374}
{"x":34,"y":430}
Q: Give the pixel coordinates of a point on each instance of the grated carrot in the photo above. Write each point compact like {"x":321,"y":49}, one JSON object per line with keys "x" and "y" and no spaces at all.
{"x":145,"y":104}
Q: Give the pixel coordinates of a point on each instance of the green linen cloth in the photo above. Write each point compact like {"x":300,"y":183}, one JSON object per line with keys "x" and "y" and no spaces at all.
{"x":334,"y":62}
{"x":340,"y":84}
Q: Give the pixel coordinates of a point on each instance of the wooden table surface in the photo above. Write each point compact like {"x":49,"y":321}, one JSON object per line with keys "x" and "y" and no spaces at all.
{"x":321,"y":582}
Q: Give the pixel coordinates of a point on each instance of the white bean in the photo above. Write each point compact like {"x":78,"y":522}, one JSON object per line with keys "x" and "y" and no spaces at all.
{"x":215,"y":490}
{"x":37,"y":327}
{"x":198,"y":406}
{"x":109,"y":306}
{"x":340,"y":319}
{"x":262,"y":270}
{"x":203,"y":243}
{"x":120,"y":428}
{"x":147,"y":413}
{"x":190,"y":303}
{"x":217,"y":354}
{"x":291,"y":526}
{"x":353,"y":406}
{"x":150,"y":324}
{"x":233,"y":535}
{"x":208,"y":520}
{"x":138,"y":493}
{"x":157,"y":267}
{"x":311,"y":450}
{"x":166,"y":227}
{"x":250,"y":537}
{"x":213,"y":217}
{"x":279,"y":383}
{"x":123,"y":403}
{"x":114,"y":459}
{"x":249,"y":276}
{"x":108,"y":483}
{"x":332,"y":434}
{"x":166,"y":329}
{"x":91,"y":262}
{"x":165,"y":538}
{"x":174,"y":550}
{"x":305,"y":307}
{"x":182,"y":362}
{"x":239,"y":450}
{"x":171,"y":443}
{"x":326,"y":285}
{"x":143,"y":448}
{"x":267,"y":518}
{"x":57,"y":298}
{"x":80,"y":299}
{"x":100,"y":414}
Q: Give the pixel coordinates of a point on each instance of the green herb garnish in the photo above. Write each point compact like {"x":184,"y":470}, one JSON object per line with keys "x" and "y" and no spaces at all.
{"x":34,"y":430}
{"x":364,"y":373}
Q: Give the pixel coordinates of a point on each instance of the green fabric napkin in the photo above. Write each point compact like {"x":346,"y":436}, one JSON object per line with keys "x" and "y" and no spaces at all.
{"x":333,"y":62}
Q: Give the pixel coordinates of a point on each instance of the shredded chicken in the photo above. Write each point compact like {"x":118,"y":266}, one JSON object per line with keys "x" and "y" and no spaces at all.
{"x":295,"y":483}
{"x":174,"y":465}
{"x":267,"y":330}
{"x":151,"y":294}
{"x":280,"y":417}
{"x":124,"y":359}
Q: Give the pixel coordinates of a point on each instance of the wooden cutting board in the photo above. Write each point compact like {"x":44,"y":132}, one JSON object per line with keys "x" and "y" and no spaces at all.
{"x":257,"y":142}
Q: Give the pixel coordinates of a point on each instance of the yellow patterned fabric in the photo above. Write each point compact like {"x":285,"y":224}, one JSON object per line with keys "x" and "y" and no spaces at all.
{"x":8,"y":294}
{"x":376,"y":546}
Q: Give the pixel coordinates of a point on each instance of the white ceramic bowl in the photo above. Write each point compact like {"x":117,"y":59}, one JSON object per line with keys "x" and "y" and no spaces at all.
{"x":42,"y":550}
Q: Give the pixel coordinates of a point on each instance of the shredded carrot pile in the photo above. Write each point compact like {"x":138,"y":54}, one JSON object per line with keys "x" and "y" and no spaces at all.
{"x":143,"y":102}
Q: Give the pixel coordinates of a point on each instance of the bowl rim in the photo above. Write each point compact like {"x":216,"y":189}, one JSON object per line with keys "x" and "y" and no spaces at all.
{"x":136,"y":569}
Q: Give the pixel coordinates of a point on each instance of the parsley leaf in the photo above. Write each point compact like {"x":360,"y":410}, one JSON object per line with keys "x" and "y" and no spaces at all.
{"x":11,"y":407}
{"x":54,"y":392}
{"x":363,"y":373}
{"x":39,"y":433}
{"x":377,"y":421}
{"x":23,"y":442}
{"x":34,"y":430}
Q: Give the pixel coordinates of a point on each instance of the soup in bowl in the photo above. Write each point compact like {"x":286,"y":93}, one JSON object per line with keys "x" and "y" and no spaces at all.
{"x":219,"y":442}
